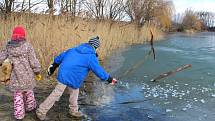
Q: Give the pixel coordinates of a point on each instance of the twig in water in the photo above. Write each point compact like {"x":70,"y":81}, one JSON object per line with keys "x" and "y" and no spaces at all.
{"x":136,"y":65}
{"x":126,"y":102}
{"x":134,"y":101}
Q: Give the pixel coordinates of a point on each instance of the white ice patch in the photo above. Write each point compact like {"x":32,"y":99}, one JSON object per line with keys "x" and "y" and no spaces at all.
{"x":169,"y":110}
{"x":145,"y":76}
{"x":202,"y":101}
{"x":188,"y":106}
{"x":213,"y":95}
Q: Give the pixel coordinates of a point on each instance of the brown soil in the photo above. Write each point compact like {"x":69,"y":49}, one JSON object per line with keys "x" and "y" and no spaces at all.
{"x":58,"y":113}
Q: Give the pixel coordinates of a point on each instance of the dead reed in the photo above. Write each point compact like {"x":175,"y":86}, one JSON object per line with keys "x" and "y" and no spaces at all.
{"x":52,"y":34}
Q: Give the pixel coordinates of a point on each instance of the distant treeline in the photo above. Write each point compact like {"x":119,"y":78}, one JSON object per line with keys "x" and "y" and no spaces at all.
{"x":195,"y":21}
{"x":141,"y":12}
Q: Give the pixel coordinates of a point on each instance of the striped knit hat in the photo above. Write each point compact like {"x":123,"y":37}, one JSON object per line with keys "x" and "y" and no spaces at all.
{"x":95,"y":42}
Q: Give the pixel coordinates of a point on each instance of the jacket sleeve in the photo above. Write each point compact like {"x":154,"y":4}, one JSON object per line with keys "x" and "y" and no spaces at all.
{"x":3,"y":56}
{"x":97,"y":69}
{"x":58,"y":59}
{"x":34,"y":62}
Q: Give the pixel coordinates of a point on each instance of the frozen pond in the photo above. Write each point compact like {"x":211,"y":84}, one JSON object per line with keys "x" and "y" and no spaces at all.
{"x":188,"y":95}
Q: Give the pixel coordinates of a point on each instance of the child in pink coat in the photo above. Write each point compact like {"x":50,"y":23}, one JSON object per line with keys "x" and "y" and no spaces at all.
{"x":25,"y":66}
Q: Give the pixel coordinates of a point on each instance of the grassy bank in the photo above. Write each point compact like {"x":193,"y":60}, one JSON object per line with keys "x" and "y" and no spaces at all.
{"x":53,"y":34}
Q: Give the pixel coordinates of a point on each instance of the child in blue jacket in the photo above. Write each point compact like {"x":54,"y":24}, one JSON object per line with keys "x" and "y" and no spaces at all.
{"x":74,"y":66}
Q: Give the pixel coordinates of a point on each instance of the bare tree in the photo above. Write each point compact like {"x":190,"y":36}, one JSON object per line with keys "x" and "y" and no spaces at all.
{"x":141,"y":11}
{"x":1,"y":7}
{"x":6,"y":6}
{"x":25,"y":5}
{"x":105,"y":9}
{"x":191,"y":21}
{"x":163,"y":13}
{"x":32,"y":4}
{"x":144,"y":11}
{"x":73,"y":4}
{"x":69,"y":6}
{"x":134,"y":9}
{"x":50,"y":4}
{"x":208,"y":18}
{"x":178,"y":18}
{"x":95,"y":7}
{"x":64,"y":6}
{"x":149,"y":9}
{"x":114,"y":9}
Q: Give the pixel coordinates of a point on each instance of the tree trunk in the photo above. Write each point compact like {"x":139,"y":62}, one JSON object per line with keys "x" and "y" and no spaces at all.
{"x":51,"y":6}
{"x":8,"y":4}
{"x":29,"y":5}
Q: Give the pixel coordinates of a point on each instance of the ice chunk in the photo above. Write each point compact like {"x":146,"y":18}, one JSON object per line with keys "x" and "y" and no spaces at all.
{"x":205,"y":89}
{"x":193,"y":88}
{"x":213,"y":95}
{"x":148,"y":95}
{"x":188,"y":106}
{"x":167,"y":103}
{"x":165,"y":95}
{"x":155,"y":95}
{"x":184,"y":109}
{"x":150,"y":116}
{"x":188,"y":92}
{"x":168,"y":110}
{"x":127,"y":85}
{"x":195,"y":99}
{"x":202,"y":101}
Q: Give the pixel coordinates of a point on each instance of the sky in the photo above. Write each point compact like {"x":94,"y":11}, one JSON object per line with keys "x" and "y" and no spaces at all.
{"x":182,"y":5}
{"x":196,"y":5}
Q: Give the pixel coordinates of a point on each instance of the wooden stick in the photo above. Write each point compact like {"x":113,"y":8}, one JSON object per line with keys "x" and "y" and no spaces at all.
{"x":171,"y":72}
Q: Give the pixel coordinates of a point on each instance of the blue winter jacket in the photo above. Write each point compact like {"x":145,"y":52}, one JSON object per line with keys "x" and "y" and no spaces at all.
{"x":75,"y":64}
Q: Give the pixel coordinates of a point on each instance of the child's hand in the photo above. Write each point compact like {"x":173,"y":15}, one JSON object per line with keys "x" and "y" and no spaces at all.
{"x":52,"y":68}
{"x":38,"y":77}
{"x":112,"y":81}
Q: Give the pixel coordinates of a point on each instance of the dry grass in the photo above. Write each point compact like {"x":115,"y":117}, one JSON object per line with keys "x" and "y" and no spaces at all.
{"x":52,"y":34}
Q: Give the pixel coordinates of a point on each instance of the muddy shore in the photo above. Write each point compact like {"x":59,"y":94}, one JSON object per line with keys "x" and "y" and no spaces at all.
{"x":60,"y":110}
